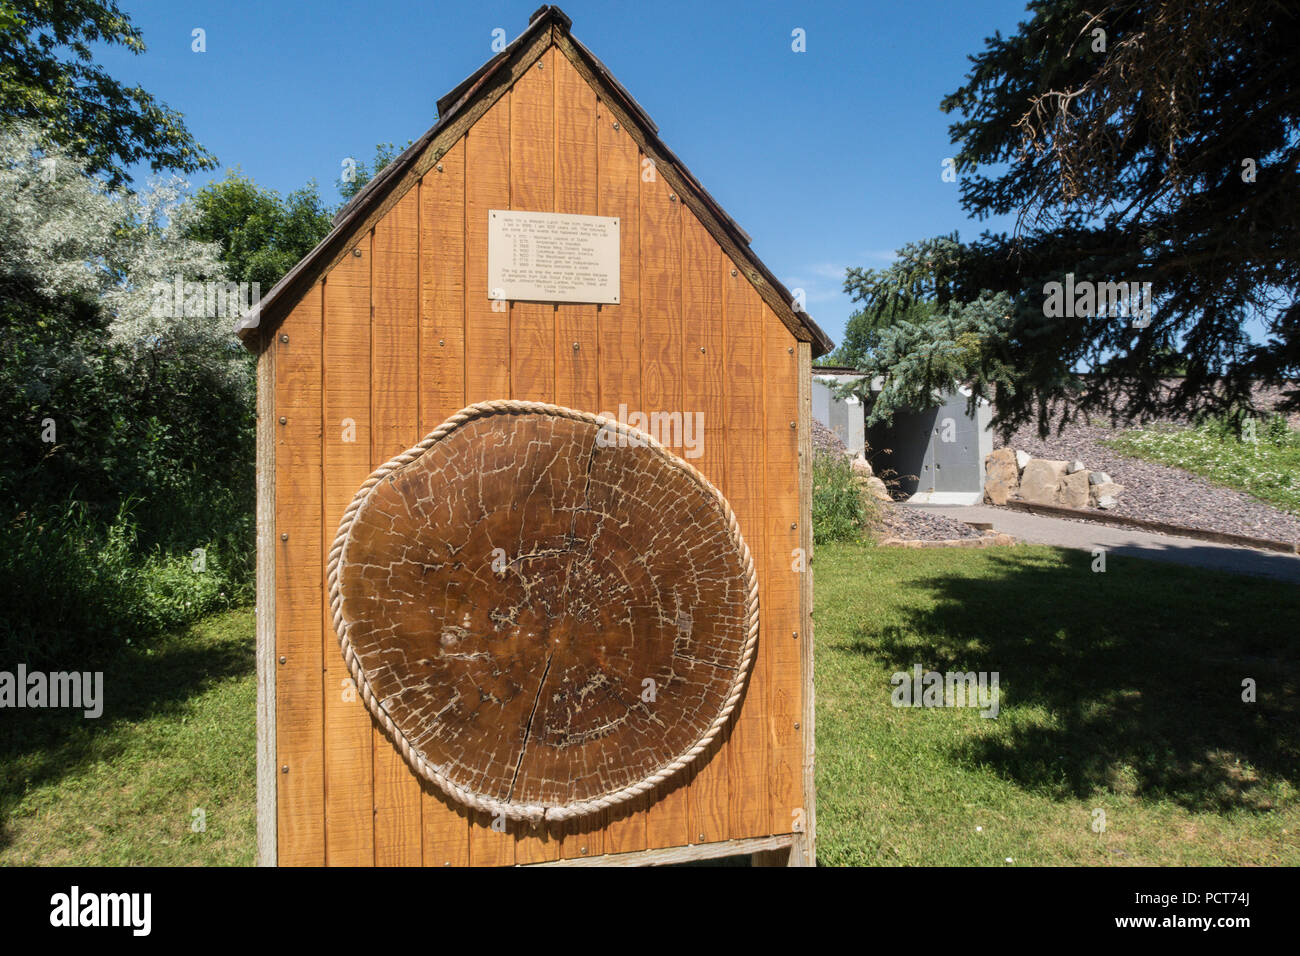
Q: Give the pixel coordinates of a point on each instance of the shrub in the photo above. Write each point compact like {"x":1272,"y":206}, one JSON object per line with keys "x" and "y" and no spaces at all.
{"x":841,"y":509}
{"x":80,"y":591}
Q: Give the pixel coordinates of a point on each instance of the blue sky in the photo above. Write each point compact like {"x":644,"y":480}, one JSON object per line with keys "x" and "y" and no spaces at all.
{"x":827,"y":158}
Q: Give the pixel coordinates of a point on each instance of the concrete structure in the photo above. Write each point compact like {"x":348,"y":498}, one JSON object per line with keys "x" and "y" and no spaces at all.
{"x":843,"y":416}
{"x":936,"y":455}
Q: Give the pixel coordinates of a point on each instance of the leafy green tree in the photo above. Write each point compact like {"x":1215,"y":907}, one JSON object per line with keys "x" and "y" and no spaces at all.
{"x":1135,"y":141}
{"x":129,"y":435}
{"x":356,"y":173}
{"x":260,"y":234}
{"x":862,"y":335}
{"x":48,"y":77}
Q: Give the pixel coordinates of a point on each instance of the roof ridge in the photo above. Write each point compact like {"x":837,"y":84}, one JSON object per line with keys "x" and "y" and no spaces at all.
{"x":452,"y":106}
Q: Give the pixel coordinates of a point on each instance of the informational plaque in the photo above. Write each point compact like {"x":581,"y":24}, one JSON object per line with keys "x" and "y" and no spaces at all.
{"x":552,"y":257}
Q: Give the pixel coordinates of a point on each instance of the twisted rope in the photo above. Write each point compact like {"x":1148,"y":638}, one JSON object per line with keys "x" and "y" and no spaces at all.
{"x":535,"y":813}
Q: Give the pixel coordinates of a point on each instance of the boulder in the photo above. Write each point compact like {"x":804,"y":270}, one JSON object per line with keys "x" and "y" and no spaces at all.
{"x":1001,"y":477}
{"x":878,"y":489}
{"x":1105,"y":495}
{"x":1041,"y":480}
{"x":1073,"y":492}
{"x":1075,"y":467}
{"x":1098,"y":478}
{"x":1023,"y":458}
{"x":862,"y":467}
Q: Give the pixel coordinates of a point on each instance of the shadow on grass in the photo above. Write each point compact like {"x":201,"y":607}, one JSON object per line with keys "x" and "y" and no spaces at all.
{"x":1140,"y":670}
{"x":39,"y":747}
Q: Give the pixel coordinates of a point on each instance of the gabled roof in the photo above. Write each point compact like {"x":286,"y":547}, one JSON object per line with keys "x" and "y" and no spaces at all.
{"x":457,"y":111}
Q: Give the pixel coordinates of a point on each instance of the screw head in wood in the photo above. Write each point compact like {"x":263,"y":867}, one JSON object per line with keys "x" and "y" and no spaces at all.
{"x":701,"y":349}
{"x":733,"y":272}
{"x":582,"y":850}
{"x":439,"y":167}
{"x":795,"y":635}
{"x":616,"y":125}
{"x":575,"y":346}
{"x":672,"y":197}
{"x":442,"y":341}
{"x":283,"y":420}
{"x":357,"y":252}
{"x":793,"y":525}
{"x":796,"y":725}
{"x":284,"y":339}
{"x":283,"y":660}
{"x":284,"y":769}
{"x":790,"y":350}
{"x":284,"y":536}
{"x":701,"y":837}
{"x":794,"y":424}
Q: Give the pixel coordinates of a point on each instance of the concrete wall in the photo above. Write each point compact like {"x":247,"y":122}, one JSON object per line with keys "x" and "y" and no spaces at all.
{"x":843,"y":416}
{"x":936,"y":454}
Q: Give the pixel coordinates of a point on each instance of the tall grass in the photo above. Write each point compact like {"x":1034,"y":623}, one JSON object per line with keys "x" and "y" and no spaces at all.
{"x":76,"y":590}
{"x":841,"y":508}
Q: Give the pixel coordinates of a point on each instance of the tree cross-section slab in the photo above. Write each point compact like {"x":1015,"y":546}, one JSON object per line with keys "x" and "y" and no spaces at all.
{"x":548,"y":612}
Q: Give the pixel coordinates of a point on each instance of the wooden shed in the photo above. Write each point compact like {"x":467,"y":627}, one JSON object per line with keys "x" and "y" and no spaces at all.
{"x":391,"y":325}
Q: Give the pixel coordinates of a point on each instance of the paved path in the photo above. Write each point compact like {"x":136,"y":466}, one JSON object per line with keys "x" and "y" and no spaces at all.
{"x":1087,"y":536}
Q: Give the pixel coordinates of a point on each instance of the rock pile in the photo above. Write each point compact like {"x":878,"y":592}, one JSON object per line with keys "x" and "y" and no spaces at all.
{"x":1012,"y":474}
{"x":865,"y":476}
{"x":825,"y":440}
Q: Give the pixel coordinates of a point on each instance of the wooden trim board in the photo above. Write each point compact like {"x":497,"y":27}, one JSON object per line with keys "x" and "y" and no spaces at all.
{"x":266,"y":769}
{"x":682,"y":854}
{"x":804,"y":852}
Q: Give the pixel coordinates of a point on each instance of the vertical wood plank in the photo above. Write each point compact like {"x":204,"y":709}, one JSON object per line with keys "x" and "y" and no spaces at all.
{"x":662,"y":346}
{"x":784,"y":569}
{"x":532,"y":324}
{"x":299,"y":586}
{"x":442,"y":289}
{"x":395,"y":296}
{"x":577,"y":384}
{"x":349,"y":782}
{"x":532,"y":188}
{"x":619,"y":326}
{"x":487,"y":324}
{"x":804,"y":850}
{"x":442,"y":394}
{"x":487,"y":345}
{"x":704,"y":447}
{"x":618,"y":335}
{"x":268,"y":771}
{"x":747,"y":749}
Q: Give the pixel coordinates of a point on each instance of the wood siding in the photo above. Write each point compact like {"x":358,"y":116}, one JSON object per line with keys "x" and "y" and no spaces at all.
{"x":400,"y":334}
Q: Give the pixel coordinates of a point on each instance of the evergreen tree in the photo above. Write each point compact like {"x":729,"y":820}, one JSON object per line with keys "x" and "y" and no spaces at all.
{"x":1146,"y":141}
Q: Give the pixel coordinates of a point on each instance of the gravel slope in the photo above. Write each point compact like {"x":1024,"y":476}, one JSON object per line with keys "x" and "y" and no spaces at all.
{"x":1158,"y":492}
{"x":910,"y":524}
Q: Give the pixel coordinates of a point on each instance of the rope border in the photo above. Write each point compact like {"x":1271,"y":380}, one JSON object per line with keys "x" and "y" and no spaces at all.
{"x":535,"y":813}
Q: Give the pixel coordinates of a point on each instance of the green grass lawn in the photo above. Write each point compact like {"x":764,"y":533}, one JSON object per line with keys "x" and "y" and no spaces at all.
{"x":1267,"y":468}
{"x":177,"y":735}
{"x":1120,"y":692}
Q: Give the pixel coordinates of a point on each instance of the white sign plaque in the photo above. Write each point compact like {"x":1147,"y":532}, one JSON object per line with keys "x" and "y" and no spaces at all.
{"x":552,"y":257}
